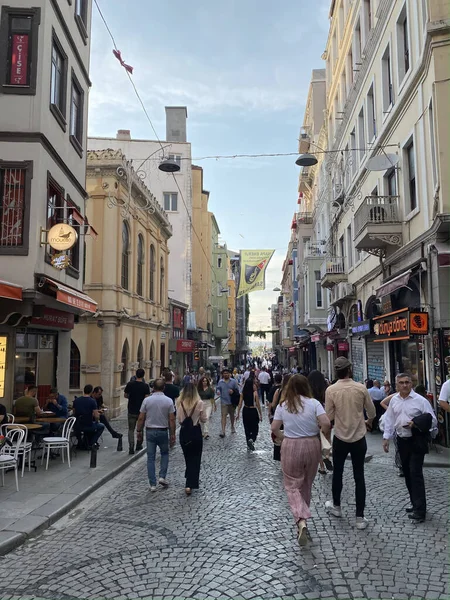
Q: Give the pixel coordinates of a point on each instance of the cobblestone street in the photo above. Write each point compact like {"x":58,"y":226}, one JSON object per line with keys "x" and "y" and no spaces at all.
{"x":235,"y":537}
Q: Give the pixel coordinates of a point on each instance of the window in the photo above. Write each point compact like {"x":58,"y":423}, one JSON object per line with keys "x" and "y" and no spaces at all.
{"x":152,"y":273}
{"x":140,"y":266}
{"x":140,"y":355}
{"x":161,"y":282}
{"x":361,"y":135}
{"x":367,"y":16}
{"x":319,"y":290}
{"x":15,"y":191}
{"x":81,"y":17}
{"x":403,"y":45}
{"x":219,"y":262}
{"x":432,"y":144}
{"x":371,"y":115}
{"x":229,"y":314}
{"x":74,"y":252}
{"x":176,"y":158}
{"x":219,"y":319}
{"x":55,"y":208}
{"x":125,"y":255}
{"x":124,"y":361}
{"x":170,"y":202}
{"x":350,"y":68}
{"x":75,"y":367}
{"x":391,"y":182}
{"x":350,"y":246}
{"x":219,"y":289}
{"x":76,"y":115}
{"x":18,"y":50}
{"x":411,"y":176}
{"x":58,"y":82}
{"x":353,"y":154}
{"x":357,"y":46}
{"x":386,"y":75}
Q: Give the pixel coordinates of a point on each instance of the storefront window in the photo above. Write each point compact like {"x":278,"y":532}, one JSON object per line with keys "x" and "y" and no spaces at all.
{"x":412,"y":361}
{"x":35,"y":363}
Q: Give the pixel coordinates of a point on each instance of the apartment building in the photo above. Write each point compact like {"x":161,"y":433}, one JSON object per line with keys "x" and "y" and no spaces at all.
{"x":387,"y":69}
{"x":44,"y":86}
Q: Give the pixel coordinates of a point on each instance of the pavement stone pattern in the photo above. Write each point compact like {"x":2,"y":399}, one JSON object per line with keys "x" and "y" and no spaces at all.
{"x":235,"y":537}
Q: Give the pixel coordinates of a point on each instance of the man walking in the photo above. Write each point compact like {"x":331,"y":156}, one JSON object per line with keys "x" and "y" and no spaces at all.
{"x":376,"y":395}
{"x":227,"y":388}
{"x":264,"y":384}
{"x":345,"y":402}
{"x":410,"y":418}
{"x":135,"y":391}
{"x":158,"y":414}
{"x":170,"y":390}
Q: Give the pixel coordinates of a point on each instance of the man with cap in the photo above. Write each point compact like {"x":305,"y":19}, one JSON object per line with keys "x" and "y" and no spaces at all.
{"x":227,"y":387}
{"x":345,"y":403}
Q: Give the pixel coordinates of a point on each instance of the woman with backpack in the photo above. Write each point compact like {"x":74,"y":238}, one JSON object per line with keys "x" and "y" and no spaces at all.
{"x":190,"y":414}
{"x":251,"y":413}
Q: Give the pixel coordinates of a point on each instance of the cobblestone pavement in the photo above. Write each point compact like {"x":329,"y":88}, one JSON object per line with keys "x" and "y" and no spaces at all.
{"x":235,"y":539}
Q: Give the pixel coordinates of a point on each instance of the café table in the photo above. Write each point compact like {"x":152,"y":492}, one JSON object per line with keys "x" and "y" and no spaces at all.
{"x":51,"y":420}
{"x":22,"y":420}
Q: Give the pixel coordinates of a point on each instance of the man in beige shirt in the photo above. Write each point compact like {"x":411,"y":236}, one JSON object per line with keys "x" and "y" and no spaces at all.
{"x":345,"y":403}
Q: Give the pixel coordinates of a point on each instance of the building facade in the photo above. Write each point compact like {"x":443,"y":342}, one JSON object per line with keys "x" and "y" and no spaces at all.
{"x":126,"y":275}
{"x":44,"y":86}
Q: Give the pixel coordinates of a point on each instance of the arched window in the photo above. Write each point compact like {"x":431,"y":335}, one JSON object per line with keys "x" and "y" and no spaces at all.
{"x":125,"y":254}
{"x":75,"y":364}
{"x":140,"y":266}
{"x":161,"y":282}
{"x":140,"y":356}
{"x":124,"y":361}
{"x":152,"y":273}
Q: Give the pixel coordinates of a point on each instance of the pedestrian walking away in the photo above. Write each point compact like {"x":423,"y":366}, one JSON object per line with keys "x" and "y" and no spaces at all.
{"x":412,"y":420}
{"x":264,"y":383}
{"x":190,"y":414}
{"x":345,"y":403}
{"x":229,"y":392}
{"x":157,"y":415}
{"x":207,"y":394}
{"x":302,"y":418}
{"x":135,"y":391}
{"x":170,"y":389}
{"x":251,"y":413}
{"x":319,"y":385}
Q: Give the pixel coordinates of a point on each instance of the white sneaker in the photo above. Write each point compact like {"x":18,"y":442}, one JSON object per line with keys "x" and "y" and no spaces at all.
{"x":153,"y":488}
{"x":361,"y":522}
{"x":163,"y":482}
{"x":333,"y":510}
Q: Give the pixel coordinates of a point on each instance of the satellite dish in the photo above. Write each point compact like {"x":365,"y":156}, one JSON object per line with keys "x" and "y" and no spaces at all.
{"x":383,"y":162}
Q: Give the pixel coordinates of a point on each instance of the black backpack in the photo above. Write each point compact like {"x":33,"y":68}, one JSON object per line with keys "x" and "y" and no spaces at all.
{"x":188,"y":424}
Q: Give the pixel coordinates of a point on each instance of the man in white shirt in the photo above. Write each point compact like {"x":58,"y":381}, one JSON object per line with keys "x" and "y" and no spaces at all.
{"x":444,"y":396}
{"x":398,"y":421}
{"x":264,"y":381}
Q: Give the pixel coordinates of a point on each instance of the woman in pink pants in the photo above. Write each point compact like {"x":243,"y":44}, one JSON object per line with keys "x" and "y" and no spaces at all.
{"x":302,"y":418}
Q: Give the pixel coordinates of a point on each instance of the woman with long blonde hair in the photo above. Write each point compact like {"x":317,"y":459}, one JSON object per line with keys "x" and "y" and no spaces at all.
{"x":190,"y":413}
{"x":302,"y":418}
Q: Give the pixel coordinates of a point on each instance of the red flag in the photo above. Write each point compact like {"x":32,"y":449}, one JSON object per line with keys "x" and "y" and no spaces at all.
{"x":118,"y":55}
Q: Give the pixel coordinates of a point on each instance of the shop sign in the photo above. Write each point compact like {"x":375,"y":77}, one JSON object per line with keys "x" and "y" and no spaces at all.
{"x":418,"y":323}
{"x":361,"y":328}
{"x":19,"y":59}
{"x":3,"y":342}
{"x":60,"y":261}
{"x":49,"y":317}
{"x":215,"y":358}
{"x":163,"y":335}
{"x":315,"y":338}
{"x":292,"y":350}
{"x":185,"y":346}
{"x":343,"y":346}
{"x":76,"y":301}
{"x":330,"y":347}
{"x":62,"y":237}
{"x":393,"y":326}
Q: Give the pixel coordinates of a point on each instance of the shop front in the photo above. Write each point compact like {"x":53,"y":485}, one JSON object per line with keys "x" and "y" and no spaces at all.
{"x":181,"y":353}
{"x":358,"y":333}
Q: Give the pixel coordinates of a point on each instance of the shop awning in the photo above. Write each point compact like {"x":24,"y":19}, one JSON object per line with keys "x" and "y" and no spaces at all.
{"x":10,"y":290}
{"x":443,"y":250}
{"x":72,"y":297}
{"x":393,"y":285}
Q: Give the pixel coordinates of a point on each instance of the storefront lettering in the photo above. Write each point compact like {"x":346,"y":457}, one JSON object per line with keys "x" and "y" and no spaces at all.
{"x":392,"y":326}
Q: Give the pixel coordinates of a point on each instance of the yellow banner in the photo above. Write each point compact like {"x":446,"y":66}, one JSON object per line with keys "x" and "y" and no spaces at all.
{"x":252,"y":273}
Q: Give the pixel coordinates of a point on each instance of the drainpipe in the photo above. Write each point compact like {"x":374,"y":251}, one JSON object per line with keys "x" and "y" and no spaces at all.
{"x":431,"y":250}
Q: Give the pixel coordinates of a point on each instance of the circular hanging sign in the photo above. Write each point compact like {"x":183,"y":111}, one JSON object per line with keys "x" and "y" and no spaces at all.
{"x":62,"y":237}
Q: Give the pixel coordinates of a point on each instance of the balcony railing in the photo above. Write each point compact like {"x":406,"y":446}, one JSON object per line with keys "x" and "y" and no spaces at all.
{"x":332,"y":265}
{"x":304,"y":218}
{"x":376,"y":210}
{"x":314,"y":249}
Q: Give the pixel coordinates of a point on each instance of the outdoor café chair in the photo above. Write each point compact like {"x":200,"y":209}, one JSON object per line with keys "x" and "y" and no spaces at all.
{"x":24,"y":448}
{"x":59,"y":443}
{"x":11,"y":461}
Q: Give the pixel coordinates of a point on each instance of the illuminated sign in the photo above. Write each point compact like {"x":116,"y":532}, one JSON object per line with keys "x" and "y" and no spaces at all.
{"x":3,"y":343}
{"x":62,"y":237}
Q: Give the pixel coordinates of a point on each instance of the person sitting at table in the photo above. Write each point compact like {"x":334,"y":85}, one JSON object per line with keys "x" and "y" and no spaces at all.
{"x":57,"y":403}
{"x":97,"y":394}
{"x":27,"y":405}
{"x":87,"y":414}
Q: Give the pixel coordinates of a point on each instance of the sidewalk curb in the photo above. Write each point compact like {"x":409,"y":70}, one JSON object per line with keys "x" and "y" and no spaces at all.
{"x":17,"y":539}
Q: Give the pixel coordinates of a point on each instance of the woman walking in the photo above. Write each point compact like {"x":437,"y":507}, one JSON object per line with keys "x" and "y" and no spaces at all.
{"x":190,"y":414}
{"x":251,"y":413}
{"x":206,"y":393}
{"x":302,"y":417}
{"x":318,"y":386}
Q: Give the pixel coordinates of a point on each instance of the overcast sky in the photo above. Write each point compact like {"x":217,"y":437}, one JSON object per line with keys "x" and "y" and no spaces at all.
{"x":242,"y":68}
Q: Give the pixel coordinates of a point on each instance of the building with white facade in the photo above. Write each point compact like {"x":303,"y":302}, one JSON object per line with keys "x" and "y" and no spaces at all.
{"x":44,"y":85}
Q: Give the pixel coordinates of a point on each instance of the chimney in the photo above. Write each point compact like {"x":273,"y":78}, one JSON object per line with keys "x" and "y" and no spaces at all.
{"x":123,"y":134}
{"x":176,"y":123}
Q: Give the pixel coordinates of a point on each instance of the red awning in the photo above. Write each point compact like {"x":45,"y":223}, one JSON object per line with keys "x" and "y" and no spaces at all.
{"x":72,"y":297}
{"x":10,"y":290}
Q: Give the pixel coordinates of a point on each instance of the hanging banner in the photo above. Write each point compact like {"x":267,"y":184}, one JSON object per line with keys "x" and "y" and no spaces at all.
{"x":252,"y":270}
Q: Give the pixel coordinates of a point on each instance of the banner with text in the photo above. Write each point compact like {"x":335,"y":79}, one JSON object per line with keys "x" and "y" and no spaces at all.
{"x":252,"y":270}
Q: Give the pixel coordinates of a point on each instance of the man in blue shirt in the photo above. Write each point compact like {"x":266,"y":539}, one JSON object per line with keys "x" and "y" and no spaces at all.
{"x":377,"y":395}
{"x":87,"y":414}
{"x":227,"y":387}
{"x":57,"y":403}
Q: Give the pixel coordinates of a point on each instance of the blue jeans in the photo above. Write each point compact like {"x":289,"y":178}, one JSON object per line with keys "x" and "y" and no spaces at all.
{"x":94,"y":432}
{"x":157,"y":438}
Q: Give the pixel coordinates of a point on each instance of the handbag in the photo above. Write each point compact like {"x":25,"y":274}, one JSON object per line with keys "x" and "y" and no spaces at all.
{"x":325,"y":444}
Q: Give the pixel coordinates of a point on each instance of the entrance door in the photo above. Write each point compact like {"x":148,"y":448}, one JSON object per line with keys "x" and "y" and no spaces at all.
{"x":35,"y":363}
{"x":163,"y":356}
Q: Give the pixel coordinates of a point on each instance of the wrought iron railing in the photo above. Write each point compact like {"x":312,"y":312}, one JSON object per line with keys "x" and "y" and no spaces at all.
{"x":376,"y":210}
{"x":332,"y":265}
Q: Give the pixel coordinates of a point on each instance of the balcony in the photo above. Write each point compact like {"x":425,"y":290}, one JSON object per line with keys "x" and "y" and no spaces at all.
{"x":304,"y":218}
{"x":332,"y":271}
{"x":304,"y":140}
{"x":378,"y":224}
{"x":305,"y":180}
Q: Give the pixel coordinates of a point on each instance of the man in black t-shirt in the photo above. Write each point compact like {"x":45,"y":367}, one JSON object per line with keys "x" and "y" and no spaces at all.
{"x":135,"y":391}
{"x":170,"y":390}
